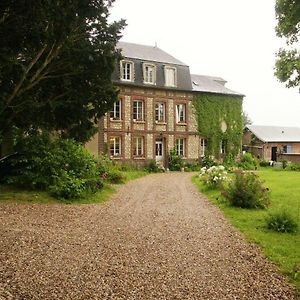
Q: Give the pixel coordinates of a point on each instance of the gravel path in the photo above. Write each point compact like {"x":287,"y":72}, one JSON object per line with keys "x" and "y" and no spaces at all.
{"x":157,"y":239}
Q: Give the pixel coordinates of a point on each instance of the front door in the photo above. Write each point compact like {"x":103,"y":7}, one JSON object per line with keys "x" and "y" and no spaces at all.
{"x":274,"y":154}
{"x":159,"y":150}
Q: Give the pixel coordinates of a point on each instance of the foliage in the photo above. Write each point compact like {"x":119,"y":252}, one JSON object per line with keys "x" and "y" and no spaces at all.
{"x":212,"y":110}
{"x":281,"y":221}
{"x":214,"y":176}
{"x":288,"y":26}
{"x":191,"y":167}
{"x":246,"y":191}
{"x":264,"y":163}
{"x":152,"y":167}
{"x":248,"y":162}
{"x":175,"y":161}
{"x":56,"y":61}
{"x":293,"y":167}
{"x":62,"y":167}
{"x":207,"y":162}
{"x":108,"y":171}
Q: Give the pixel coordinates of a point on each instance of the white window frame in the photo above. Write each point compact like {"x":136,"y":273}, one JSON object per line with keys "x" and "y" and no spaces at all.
{"x":138,"y":110}
{"x":180,"y":147}
{"x":170,"y":76}
{"x":223,"y":147}
{"x":160,"y":112}
{"x":125,"y":73}
{"x":149,"y":71}
{"x":180,"y":113}
{"x":203,"y":144}
{"x":117,"y":110}
{"x":138,"y":144}
{"x":115,"y":146}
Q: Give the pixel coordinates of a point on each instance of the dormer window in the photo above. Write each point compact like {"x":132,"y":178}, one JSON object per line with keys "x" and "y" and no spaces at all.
{"x":170,"y":76}
{"x":149,"y":71}
{"x":126,"y":70}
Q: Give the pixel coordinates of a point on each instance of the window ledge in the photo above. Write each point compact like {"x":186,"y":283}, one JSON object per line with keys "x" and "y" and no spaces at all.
{"x":181,"y":123}
{"x":138,"y":122}
{"x":115,"y":120}
{"x":139,"y":157}
{"x":160,"y":123}
{"x":116,"y":157}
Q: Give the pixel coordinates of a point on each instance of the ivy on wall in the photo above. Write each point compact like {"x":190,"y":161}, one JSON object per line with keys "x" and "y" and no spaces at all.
{"x":220,"y":121}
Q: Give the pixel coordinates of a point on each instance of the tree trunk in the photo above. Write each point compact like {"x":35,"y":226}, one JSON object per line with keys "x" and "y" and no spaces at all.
{"x":7,"y":143}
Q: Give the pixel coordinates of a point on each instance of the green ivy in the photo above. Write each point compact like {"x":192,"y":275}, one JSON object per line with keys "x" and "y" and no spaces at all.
{"x":212,"y":110}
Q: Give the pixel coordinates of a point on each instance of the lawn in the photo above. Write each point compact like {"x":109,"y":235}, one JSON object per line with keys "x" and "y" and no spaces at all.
{"x":281,"y":248}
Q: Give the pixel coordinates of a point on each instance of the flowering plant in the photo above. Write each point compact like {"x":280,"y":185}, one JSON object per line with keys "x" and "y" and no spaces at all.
{"x":214,"y":176}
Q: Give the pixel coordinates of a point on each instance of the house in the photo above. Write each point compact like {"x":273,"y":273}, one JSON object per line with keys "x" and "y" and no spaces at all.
{"x":271,"y":143}
{"x":155,"y":111}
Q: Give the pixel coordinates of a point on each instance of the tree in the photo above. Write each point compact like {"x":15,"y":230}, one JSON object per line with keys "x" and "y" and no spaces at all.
{"x":56,"y":61}
{"x":288,"y":60}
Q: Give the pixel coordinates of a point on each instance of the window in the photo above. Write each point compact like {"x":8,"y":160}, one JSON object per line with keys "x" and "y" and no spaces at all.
{"x":115,"y":113}
{"x":170,"y":76}
{"x":160,"y":112}
{"x":180,"y":113}
{"x":126,"y":70}
{"x":149,"y":73}
{"x":138,"y":110}
{"x":138,"y":146}
{"x":223,"y":147}
{"x":287,"y":149}
{"x":203,"y":143}
{"x":180,"y":143}
{"x":115,"y":146}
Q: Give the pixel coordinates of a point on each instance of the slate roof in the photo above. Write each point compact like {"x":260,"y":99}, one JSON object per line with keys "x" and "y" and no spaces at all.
{"x":275,"y":133}
{"x":210,"y":84}
{"x":185,"y":81}
{"x":148,"y":53}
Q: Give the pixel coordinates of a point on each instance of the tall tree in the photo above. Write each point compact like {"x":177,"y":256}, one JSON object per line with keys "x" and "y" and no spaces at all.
{"x":56,"y":61}
{"x":288,"y":26}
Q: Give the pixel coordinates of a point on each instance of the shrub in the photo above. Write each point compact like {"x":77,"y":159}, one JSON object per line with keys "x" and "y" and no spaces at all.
{"x":207,"y":162}
{"x":191,"y":167}
{"x":63,"y":167}
{"x":264,"y":163}
{"x":281,"y":221}
{"x":108,"y":171}
{"x":152,"y":167}
{"x":214,"y":176}
{"x":294,"y":167}
{"x":246,"y":191}
{"x":248,"y":162}
{"x":175,"y":161}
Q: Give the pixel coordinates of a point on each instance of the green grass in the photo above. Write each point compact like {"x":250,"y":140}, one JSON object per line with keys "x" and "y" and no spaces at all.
{"x":281,"y":248}
{"x":11,"y":194}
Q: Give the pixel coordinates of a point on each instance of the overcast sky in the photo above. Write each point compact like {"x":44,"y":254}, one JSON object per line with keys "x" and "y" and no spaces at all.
{"x":233,"y":39}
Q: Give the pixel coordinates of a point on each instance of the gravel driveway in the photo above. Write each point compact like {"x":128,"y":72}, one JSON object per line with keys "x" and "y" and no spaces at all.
{"x":158,"y":238}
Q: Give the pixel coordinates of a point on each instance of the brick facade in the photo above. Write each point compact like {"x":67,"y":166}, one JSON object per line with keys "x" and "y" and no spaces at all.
{"x":149,"y":129}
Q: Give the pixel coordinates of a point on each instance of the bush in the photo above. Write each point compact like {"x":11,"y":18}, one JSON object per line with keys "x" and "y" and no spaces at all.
{"x":108,"y":171}
{"x":281,"y":221}
{"x":246,"y":191}
{"x":175,"y":161}
{"x":264,"y":163}
{"x":207,"y":162}
{"x":214,"y":176}
{"x":152,"y":167}
{"x":248,"y":162}
{"x":62,"y":167}
{"x":294,"y":167}
{"x":191,"y":167}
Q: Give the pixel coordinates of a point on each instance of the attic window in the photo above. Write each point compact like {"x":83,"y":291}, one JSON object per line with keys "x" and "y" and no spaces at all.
{"x":170,"y":76}
{"x":195,"y":83}
{"x":126,"y":70}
